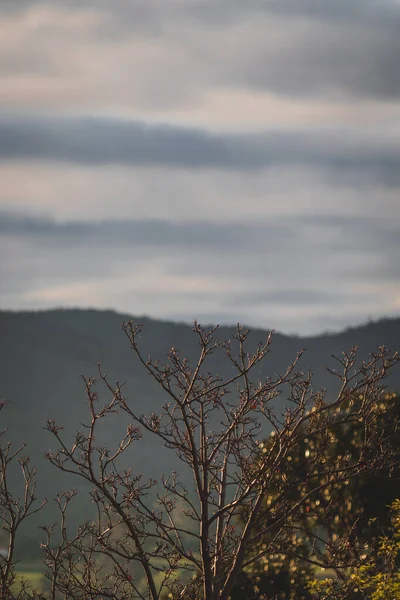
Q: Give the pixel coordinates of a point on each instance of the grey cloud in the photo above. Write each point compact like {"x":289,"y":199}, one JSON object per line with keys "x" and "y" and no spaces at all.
{"x":225,"y":10}
{"x":301,"y":48}
{"x":86,"y":140}
{"x":316,"y":251}
{"x":292,"y":271}
{"x":317,"y":47}
{"x":298,"y":271}
{"x":285,"y":246}
{"x":371,"y":230}
{"x":345,"y":233}
{"x":99,"y":141}
{"x":289,"y":296}
{"x":317,"y":62}
{"x":153,"y":233}
{"x":246,"y":237}
{"x":364,"y":10}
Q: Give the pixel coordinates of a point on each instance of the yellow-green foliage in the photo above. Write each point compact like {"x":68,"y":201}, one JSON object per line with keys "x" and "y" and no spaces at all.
{"x":376,"y":579}
{"x":28,"y":579}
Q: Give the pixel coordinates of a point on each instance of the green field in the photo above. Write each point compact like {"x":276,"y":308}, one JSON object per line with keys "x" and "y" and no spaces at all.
{"x":32,"y":574}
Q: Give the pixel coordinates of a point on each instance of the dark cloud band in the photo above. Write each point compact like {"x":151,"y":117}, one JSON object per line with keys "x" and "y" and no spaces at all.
{"x":99,"y":141}
{"x":153,"y":233}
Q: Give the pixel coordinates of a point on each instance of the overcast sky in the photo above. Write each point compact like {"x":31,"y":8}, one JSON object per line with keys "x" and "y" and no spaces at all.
{"x":222,"y":160}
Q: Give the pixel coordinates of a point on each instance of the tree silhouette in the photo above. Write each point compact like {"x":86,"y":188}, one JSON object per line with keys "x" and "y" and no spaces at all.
{"x":154,"y":539}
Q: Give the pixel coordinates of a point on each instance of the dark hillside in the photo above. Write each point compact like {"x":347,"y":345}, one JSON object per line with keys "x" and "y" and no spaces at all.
{"x":43,"y":354}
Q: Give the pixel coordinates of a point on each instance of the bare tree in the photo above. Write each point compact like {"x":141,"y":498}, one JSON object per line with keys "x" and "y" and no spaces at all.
{"x":14,"y":510}
{"x":151,"y":539}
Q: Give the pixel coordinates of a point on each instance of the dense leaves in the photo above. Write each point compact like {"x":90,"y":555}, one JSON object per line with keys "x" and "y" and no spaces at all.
{"x":377,"y":578}
{"x":340,"y":525}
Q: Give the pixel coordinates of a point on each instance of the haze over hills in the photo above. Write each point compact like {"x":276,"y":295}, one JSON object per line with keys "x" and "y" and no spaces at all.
{"x":43,"y":354}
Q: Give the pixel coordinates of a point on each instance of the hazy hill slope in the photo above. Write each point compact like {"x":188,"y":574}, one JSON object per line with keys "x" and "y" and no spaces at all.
{"x":43,"y":354}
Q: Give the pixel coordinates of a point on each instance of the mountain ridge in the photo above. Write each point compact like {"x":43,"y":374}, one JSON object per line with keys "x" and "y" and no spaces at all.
{"x":44,"y":353}
{"x":181,"y":322}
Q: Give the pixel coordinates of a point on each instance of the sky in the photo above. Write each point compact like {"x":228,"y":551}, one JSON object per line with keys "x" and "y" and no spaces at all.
{"x":212,"y":159}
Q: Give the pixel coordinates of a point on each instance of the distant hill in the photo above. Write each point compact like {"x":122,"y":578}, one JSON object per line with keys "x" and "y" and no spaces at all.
{"x":43,"y":354}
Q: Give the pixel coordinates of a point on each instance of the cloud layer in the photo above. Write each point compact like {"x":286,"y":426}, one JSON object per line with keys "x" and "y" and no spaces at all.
{"x":90,"y":140}
{"x":275,"y":273}
{"x":220,"y":160}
